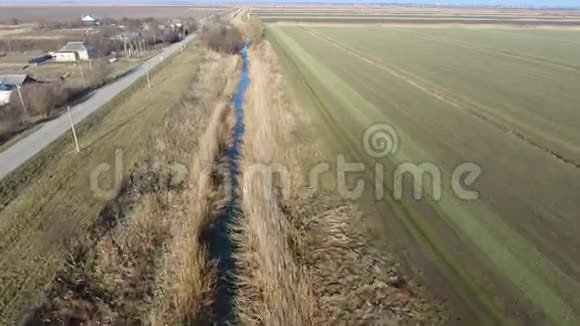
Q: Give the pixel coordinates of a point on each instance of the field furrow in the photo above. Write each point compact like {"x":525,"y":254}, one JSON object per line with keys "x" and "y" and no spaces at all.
{"x":454,"y":100}
{"x":533,"y":98}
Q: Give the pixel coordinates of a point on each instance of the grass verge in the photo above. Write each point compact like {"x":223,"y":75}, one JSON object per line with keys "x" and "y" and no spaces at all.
{"x":48,"y":202}
{"x":146,"y":263}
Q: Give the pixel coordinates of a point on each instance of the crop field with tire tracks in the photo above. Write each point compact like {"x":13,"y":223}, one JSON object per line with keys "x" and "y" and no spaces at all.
{"x":499,"y":98}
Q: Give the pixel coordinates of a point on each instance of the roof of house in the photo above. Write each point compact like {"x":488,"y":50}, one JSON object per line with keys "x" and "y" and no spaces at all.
{"x":89,"y":18}
{"x":13,"y":80}
{"x":73,"y":47}
{"x":40,"y":58}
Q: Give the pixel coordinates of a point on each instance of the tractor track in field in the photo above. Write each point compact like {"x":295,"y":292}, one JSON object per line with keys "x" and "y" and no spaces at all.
{"x":534,"y":36}
{"x":511,"y":54}
{"x":443,"y":96}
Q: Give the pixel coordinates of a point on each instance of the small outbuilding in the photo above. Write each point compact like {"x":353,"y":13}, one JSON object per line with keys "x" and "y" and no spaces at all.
{"x":73,"y":52}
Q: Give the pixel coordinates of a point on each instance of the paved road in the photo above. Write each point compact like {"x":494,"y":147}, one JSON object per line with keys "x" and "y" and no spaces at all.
{"x":26,"y":148}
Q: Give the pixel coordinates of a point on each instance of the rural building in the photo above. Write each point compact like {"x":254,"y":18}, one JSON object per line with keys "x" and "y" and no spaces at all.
{"x":5,"y":93}
{"x":73,"y":52}
{"x":10,"y":82}
{"x":90,"y":20}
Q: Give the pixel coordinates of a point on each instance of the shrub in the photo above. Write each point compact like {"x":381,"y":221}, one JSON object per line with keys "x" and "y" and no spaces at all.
{"x":11,"y":117}
{"x":152,"y":37}
{"x":100,"y":73}
{"x":171,"y":37}
{"x":223,"y":38}
{"x":254,"y":29}
{"x":42,"y":99}
{"x":190,"y":26}
{"x":39,"y":99}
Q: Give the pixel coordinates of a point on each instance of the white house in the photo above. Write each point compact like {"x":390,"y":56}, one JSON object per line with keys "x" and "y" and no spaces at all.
{"x":10,"y":82}
{"x":73,"y":52}
{"x":5,"y":93}
{"x":90,"y":20}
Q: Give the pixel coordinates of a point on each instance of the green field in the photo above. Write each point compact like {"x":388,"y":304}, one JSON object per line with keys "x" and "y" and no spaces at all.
{"x":504,"y":99}
{"x":400,"y":15}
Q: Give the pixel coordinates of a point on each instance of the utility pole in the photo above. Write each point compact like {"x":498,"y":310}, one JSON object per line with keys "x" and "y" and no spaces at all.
{"x":72,"y":127}
{"x":21,"y":98}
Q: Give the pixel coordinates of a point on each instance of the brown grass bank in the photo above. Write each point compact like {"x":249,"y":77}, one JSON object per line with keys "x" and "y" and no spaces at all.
{"x":304,"y":257}
{"x":145,"y":260}
{"x":48,"y":201}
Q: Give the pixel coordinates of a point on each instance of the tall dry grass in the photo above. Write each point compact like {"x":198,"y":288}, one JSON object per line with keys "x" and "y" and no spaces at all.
{"x":304,"y":257}
{"x":186,"y":277}
{"x":147,"y":262}
{"x":252,"y":27}
{"x":274,"y":289}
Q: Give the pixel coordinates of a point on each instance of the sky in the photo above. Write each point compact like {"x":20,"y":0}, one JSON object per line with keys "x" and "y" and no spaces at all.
{"x":535,"y":3}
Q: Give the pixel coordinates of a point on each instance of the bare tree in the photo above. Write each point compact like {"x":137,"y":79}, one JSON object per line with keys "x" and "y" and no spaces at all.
{"x":171,"y":37}
{"x":42,"y":99}
{"x":223,"y":38}
{"x":39,"y":99}
{"x":101,"y":72}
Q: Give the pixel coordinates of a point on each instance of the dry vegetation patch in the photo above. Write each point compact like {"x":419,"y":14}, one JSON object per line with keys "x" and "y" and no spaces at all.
{"x":187,"y":277}
{"x":222,"y":37}
{"x":304,"y":258}
{"x":49,"y":200}
{"x":144,"y":260}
